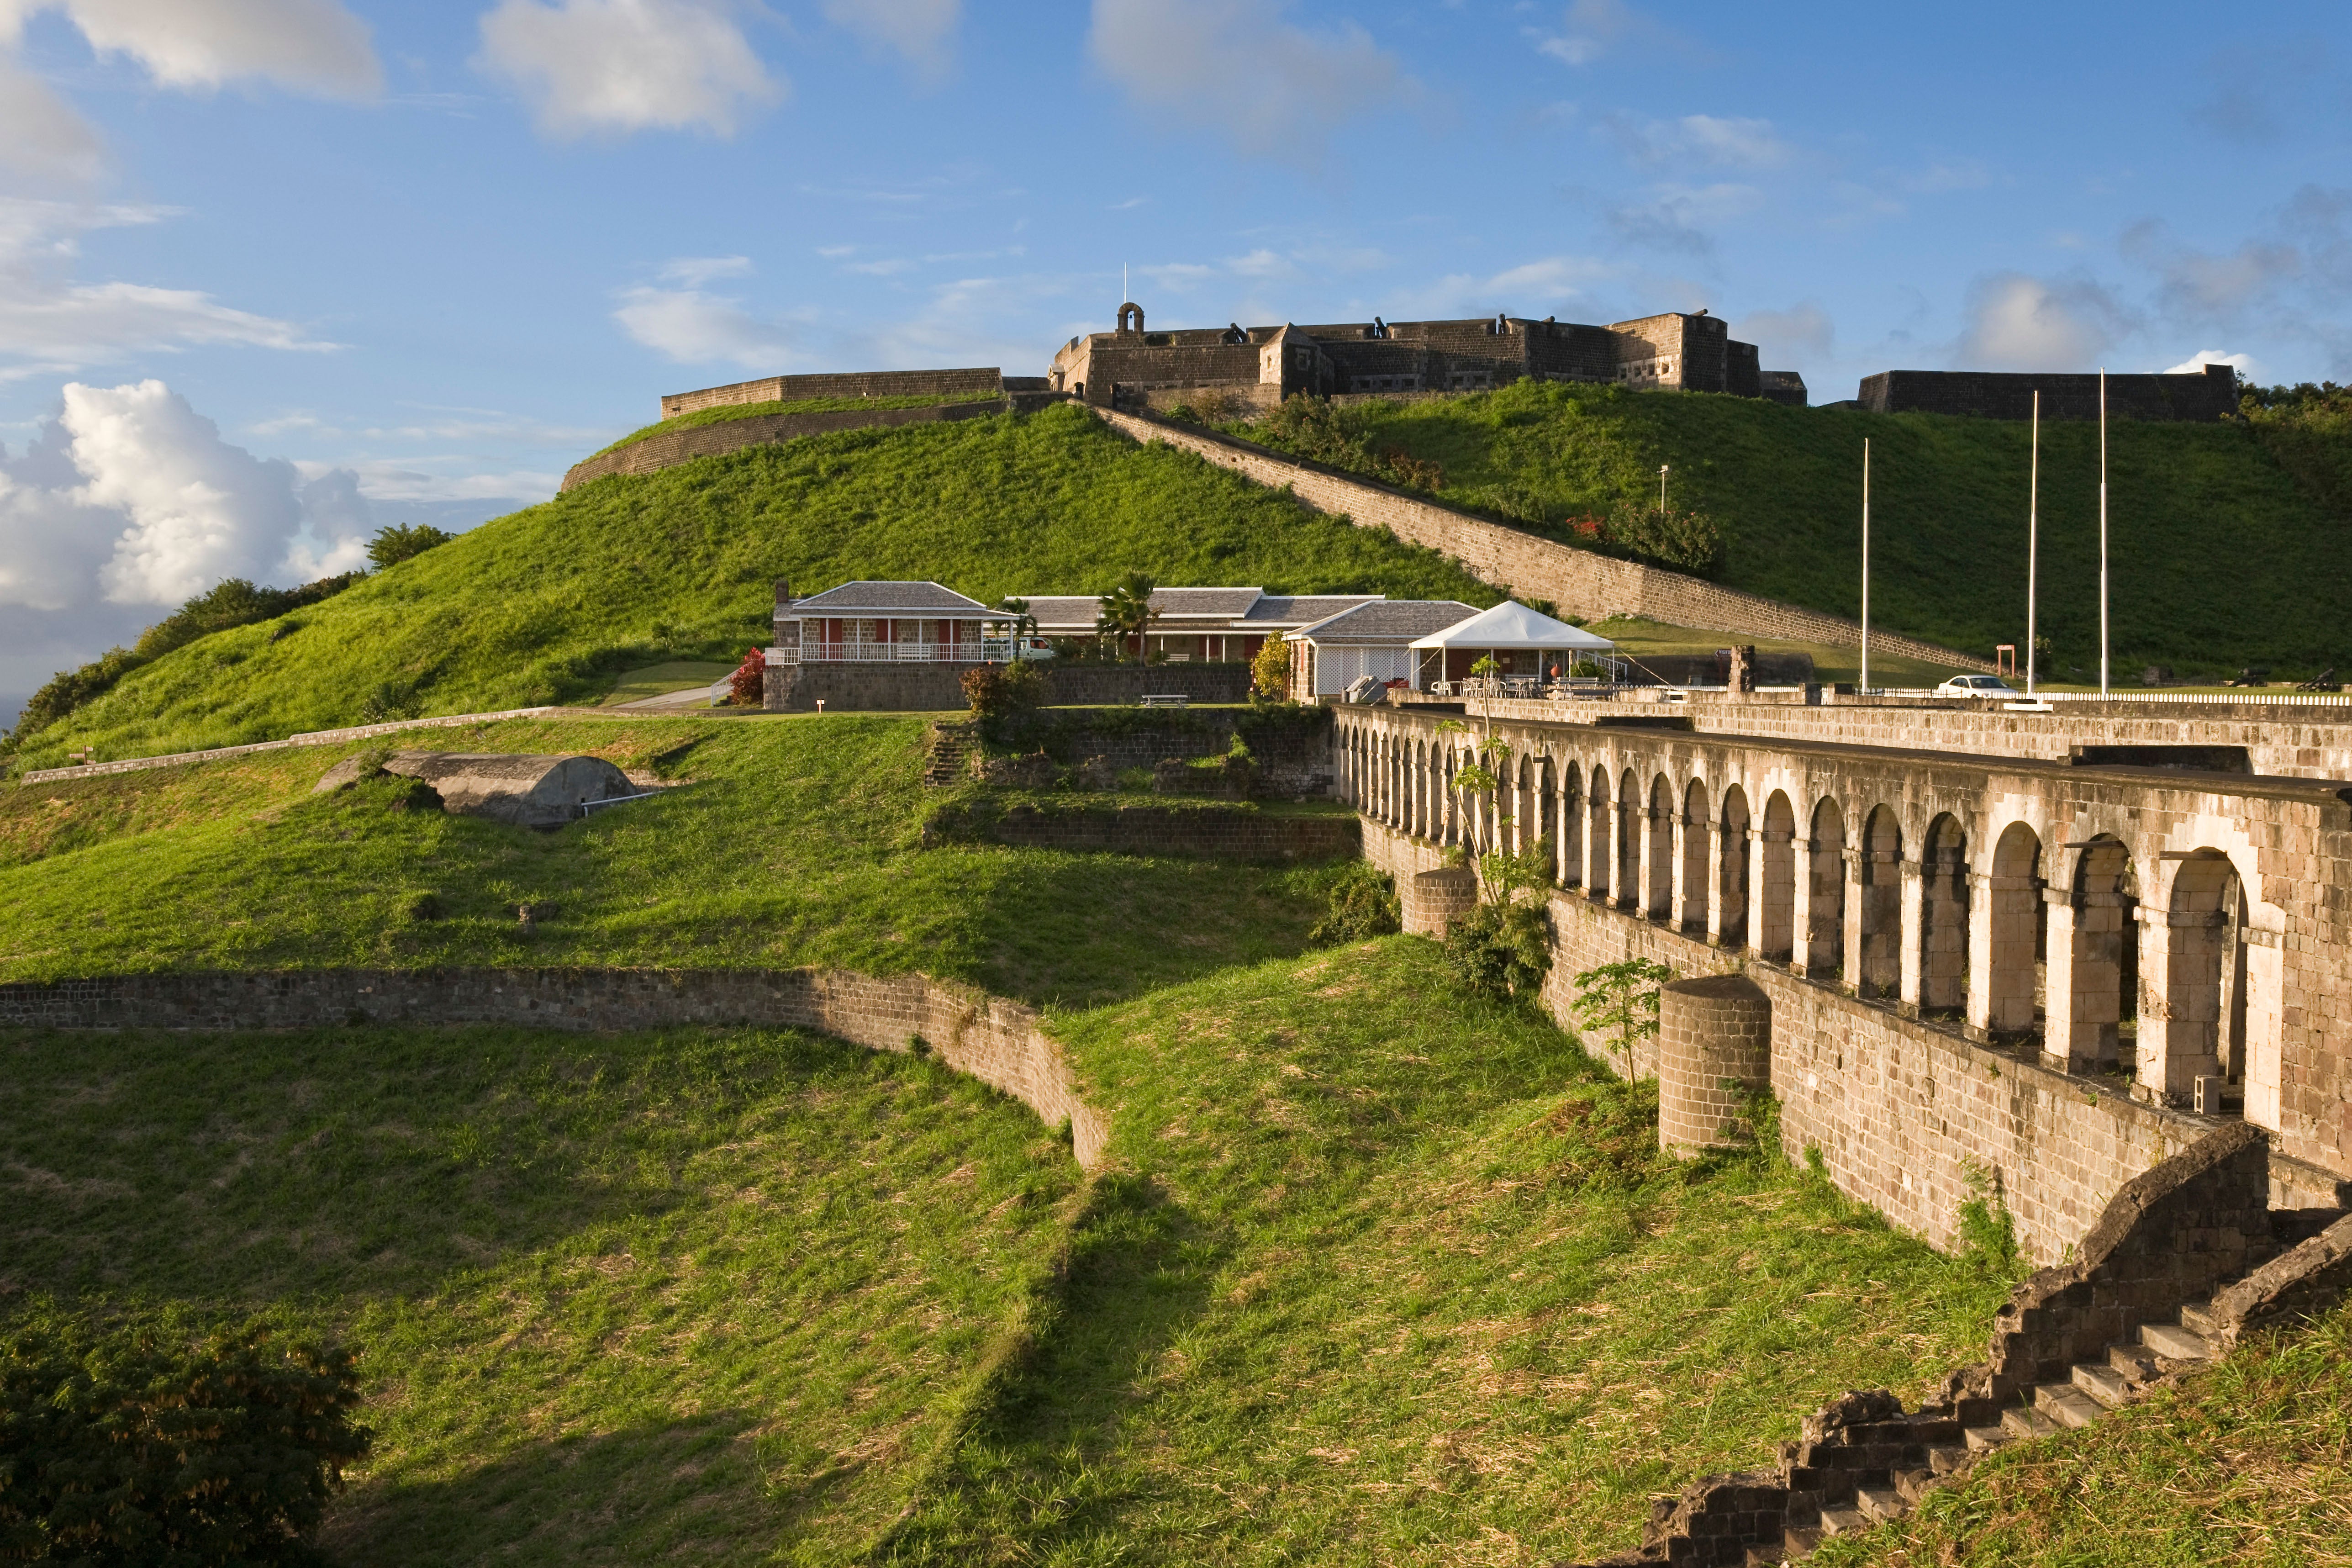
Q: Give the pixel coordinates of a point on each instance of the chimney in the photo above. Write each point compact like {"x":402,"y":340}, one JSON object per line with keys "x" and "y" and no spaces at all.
{"x":783,"y":594}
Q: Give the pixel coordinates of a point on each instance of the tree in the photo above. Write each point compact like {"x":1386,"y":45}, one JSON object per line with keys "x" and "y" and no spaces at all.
{"x":1020,"y":623}
{"x":748,"y":687}
{"x":1127,"y":612}
{"x":1270,"y":670}
{"x":392,"y":545}
{"x":1623,"y":997}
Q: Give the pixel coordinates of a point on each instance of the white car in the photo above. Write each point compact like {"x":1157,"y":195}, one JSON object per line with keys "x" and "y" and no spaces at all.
{"x":1976,"y":686}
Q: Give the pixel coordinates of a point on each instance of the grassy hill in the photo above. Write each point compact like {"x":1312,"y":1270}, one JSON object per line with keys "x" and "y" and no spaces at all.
{"x":727,"y":413}
{"x":548,"y":605}
{"x":2222,"y":554}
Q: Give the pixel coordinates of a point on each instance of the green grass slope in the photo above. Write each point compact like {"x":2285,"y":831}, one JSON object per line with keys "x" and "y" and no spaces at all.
{"x":547,"y":605}
{"x":687,"y":1297}
{"x":792,"y":841}
{"x":2221,"y":555}
{"x":734,"y":411}
{"x":1391,"y":1275}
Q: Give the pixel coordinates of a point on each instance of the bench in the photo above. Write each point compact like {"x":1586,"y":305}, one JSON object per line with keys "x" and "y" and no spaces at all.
{"x":1166,"y":699}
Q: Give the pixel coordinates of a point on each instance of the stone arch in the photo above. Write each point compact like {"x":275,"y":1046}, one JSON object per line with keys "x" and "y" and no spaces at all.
{"x":1658,"y":846}
{"x":1944,"y":916}
{"x":2101,"y":987}
{"x":1776,"y":933}
{"x":1731,"y":879}
{"x":2018,"y":924}
{"x":1570,"y":846}
{"x":2200,"y":1029}
{"x":1598,"y":839}
{"x":1697,"y":823}
{"x":1880,"y":875}
{"x":1127,"y":311}
{"x":1824,"y":935}
{"x":1631,"y":803}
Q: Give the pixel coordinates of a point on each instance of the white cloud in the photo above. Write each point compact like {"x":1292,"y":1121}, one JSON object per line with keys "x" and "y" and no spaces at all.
{"x":39,"y":132}
{"x":1734,"y":143}
{"x":695,"y":328}
{"x":1235,"y":65}
{"x":920,"y":30}
{"x":2017,"y":322}
{"x":2195,"y":363}
{"x":694,"y":271}
{"x":1802,"y":329}
{"x":1542,"y":287}
{"x":620,"y":66}
{"x":1672,"y":218}
{"x":130,"y":497}
{"x":1592,"y":29}
{"x":309,"y":46}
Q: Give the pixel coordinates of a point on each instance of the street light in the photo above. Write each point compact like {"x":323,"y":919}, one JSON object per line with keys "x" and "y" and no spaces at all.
{"x":1662,"y":490}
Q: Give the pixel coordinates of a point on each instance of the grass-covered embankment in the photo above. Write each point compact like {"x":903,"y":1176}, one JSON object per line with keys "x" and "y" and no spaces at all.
{"x":792,"y":841}
{"x":2230,"y":547}
{"x":729,"y":413}
{"x":1394,"y":1274}
{"x":2249,"y":1461}
{"x":549,"y":604}
{"x":696,"y":1296}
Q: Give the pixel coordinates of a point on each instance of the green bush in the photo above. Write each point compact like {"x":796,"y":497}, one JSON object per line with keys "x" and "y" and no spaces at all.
{"x":399,"y":542}
{"x":127,"y":1449}
{"x":1363,"y":904}
{"x":1499,"y":950}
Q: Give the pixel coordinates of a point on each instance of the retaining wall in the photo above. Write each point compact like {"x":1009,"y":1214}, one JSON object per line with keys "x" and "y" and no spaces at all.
{"x":994,"y":1040}
{"x":671,"y":447}
{"x":1202,"y":832}
{"x":1904,"y":1114}
{"x":1580,"y":581}
{"x":850,"y":384}
{"x":939,"y":688}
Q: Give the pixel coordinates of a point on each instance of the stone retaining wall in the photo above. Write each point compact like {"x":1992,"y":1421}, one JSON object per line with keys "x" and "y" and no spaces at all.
{"x":1578,"y":581}
{"x":1207,"y":832}
{"x":939,"y":688}
{"x":996,"y":1041}
{"x":670,"y":448}
{"x":837,"y":384}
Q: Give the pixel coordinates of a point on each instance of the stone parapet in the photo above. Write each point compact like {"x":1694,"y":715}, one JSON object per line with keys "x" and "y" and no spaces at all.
{"x":667,"y":449}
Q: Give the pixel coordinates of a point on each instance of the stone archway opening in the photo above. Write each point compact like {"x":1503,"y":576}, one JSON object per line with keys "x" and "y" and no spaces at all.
{"x":1825,"y":888}
{"x":1598,"y":840}
{"x":2101,"y":997}
{"x":1696,"y":827}
{"x":1881,"y":876}
{"x":1944,"y":919}
{"x":1628,"y":885}
{"x":1658,"y":836}
{"x":2200,"y":1030}
{"x":1731,"y":887}
{"x":2019,"y":936}
{"x":1776,"y":933}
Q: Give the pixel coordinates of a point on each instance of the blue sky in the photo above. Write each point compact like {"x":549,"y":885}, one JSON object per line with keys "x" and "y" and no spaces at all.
{"x":274,"y":272}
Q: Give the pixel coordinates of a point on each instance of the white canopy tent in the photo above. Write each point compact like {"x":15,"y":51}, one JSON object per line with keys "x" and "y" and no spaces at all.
{"x":1511,"y":629}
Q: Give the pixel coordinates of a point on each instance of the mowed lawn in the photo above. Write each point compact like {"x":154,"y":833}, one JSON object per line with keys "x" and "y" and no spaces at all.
{"x":790,"y":840}
{"x":704,"y":1296}
{"x":1395,"y":1276}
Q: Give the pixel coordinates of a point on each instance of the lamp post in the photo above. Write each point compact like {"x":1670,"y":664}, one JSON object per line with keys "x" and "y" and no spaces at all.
{"x":1662,"y":490}
{"x":1865,"y":566}
{"x":2103,"y":530}
{"x":2032,"y":539}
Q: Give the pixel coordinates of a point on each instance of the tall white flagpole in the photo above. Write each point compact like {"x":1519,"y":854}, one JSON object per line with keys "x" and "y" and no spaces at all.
{"x":1865,"y":566}
{"x":2103,"y":530}
{"x":2033,"y":541}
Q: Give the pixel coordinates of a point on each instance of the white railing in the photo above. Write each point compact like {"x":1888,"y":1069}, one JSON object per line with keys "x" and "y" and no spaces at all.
{"x":848,"y":652}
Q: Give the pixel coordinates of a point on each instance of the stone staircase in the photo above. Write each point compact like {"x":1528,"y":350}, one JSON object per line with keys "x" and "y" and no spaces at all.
{"x":2186,"y":1258}
{"x":946,"y":758}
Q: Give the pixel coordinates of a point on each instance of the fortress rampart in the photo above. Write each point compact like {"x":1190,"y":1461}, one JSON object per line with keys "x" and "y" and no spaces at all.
{"x":846,"y":383}
{"x":1996,"y":395}
{"x":667,"y":449}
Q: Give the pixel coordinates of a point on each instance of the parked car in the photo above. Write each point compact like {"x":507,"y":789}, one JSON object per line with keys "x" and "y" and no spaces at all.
{"x":1976,"y":686}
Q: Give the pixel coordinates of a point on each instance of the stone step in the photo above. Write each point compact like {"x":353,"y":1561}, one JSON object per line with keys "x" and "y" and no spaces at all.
{"x":2067,"y":1405}
{"x":1913,"y":1483}
{"x":1798,"y":1544}
{"x":2102,"y":1382}
{"x":1843,"y":1521}
{"x":2021,"y":1422}
{"x":2176,"y":1344}
{"x":1984,"y":1439}
{"x":1881,"y":1502}
{"x":2135,"y":1362}
{"x":1949,"y":1459}
{"x":2198,"y":1318}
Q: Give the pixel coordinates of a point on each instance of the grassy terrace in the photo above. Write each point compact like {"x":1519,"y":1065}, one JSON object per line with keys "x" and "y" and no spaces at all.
{"x":731,"y":411}
{"x":2229,"y":541}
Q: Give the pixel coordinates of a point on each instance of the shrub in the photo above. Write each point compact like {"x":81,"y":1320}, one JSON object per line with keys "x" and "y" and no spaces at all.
{"x":1686,"y":540}
{"x":997,"y":691}
{"x":1499,"y":950}
{"x":126,"y":1449}
{"x":1363,"y":903}
{"x":748,"y":687}
{"x":1270,"y":670}
{"x":392,"y":545}
{"x":1623,"y":997}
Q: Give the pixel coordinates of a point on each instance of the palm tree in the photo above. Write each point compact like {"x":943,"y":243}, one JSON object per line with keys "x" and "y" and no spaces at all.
{"x":1127,"y":612}
{"x":1023,"y":625}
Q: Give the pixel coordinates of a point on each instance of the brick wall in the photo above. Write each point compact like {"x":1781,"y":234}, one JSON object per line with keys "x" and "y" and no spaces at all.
{"x":994,"y":1040}
{"x":1904,"y":1113}
{"x":1200,"y":832}
{"x":851,"y":384}
{"x":1580,"y":581}
{"x":671,"y":447}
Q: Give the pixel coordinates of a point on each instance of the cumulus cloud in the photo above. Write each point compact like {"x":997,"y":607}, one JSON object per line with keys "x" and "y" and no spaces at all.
{"x":309,"y":46}
{"x":1800,"y":331}
{"x":49,"y":322}
{"x":129,"y":496}
{"x":2196,"y":362}
{"x":619,"y":66}
{"x":2017,"y":322}
{"x":922,"y":30}
{"x":1237,"y":67}
{"x":1541,"y":287}
{"x":40,"y":134}
{"x":696,"y":328}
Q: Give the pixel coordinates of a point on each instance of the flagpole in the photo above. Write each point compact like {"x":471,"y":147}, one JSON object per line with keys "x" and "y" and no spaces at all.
{"x":2033,"y":541}
{"x":2103,"y":530}
{"x":1865,"y":566}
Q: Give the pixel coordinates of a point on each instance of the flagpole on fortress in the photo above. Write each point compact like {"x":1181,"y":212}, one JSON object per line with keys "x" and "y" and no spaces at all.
{"x":1865,"y":566}
{"x":2033,"y":538}
{"x":2103,"y":530}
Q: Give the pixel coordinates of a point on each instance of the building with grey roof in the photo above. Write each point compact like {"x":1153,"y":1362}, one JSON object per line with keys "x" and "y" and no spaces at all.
{"x":1329,"y":654}
{"x":881,"y":623}
{"x":1208,"y":625}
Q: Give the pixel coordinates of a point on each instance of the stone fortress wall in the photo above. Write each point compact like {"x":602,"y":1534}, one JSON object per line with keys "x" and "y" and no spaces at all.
{"x":2202,"y":397}
{"x":667,"y":449}
{"x":848,"y":383}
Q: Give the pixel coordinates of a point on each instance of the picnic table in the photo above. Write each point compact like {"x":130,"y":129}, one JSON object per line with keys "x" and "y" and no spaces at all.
{"x":1166,"y":699}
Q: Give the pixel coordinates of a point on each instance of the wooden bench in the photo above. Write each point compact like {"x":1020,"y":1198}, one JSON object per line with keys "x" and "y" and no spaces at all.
{"x":1166,"y":699}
